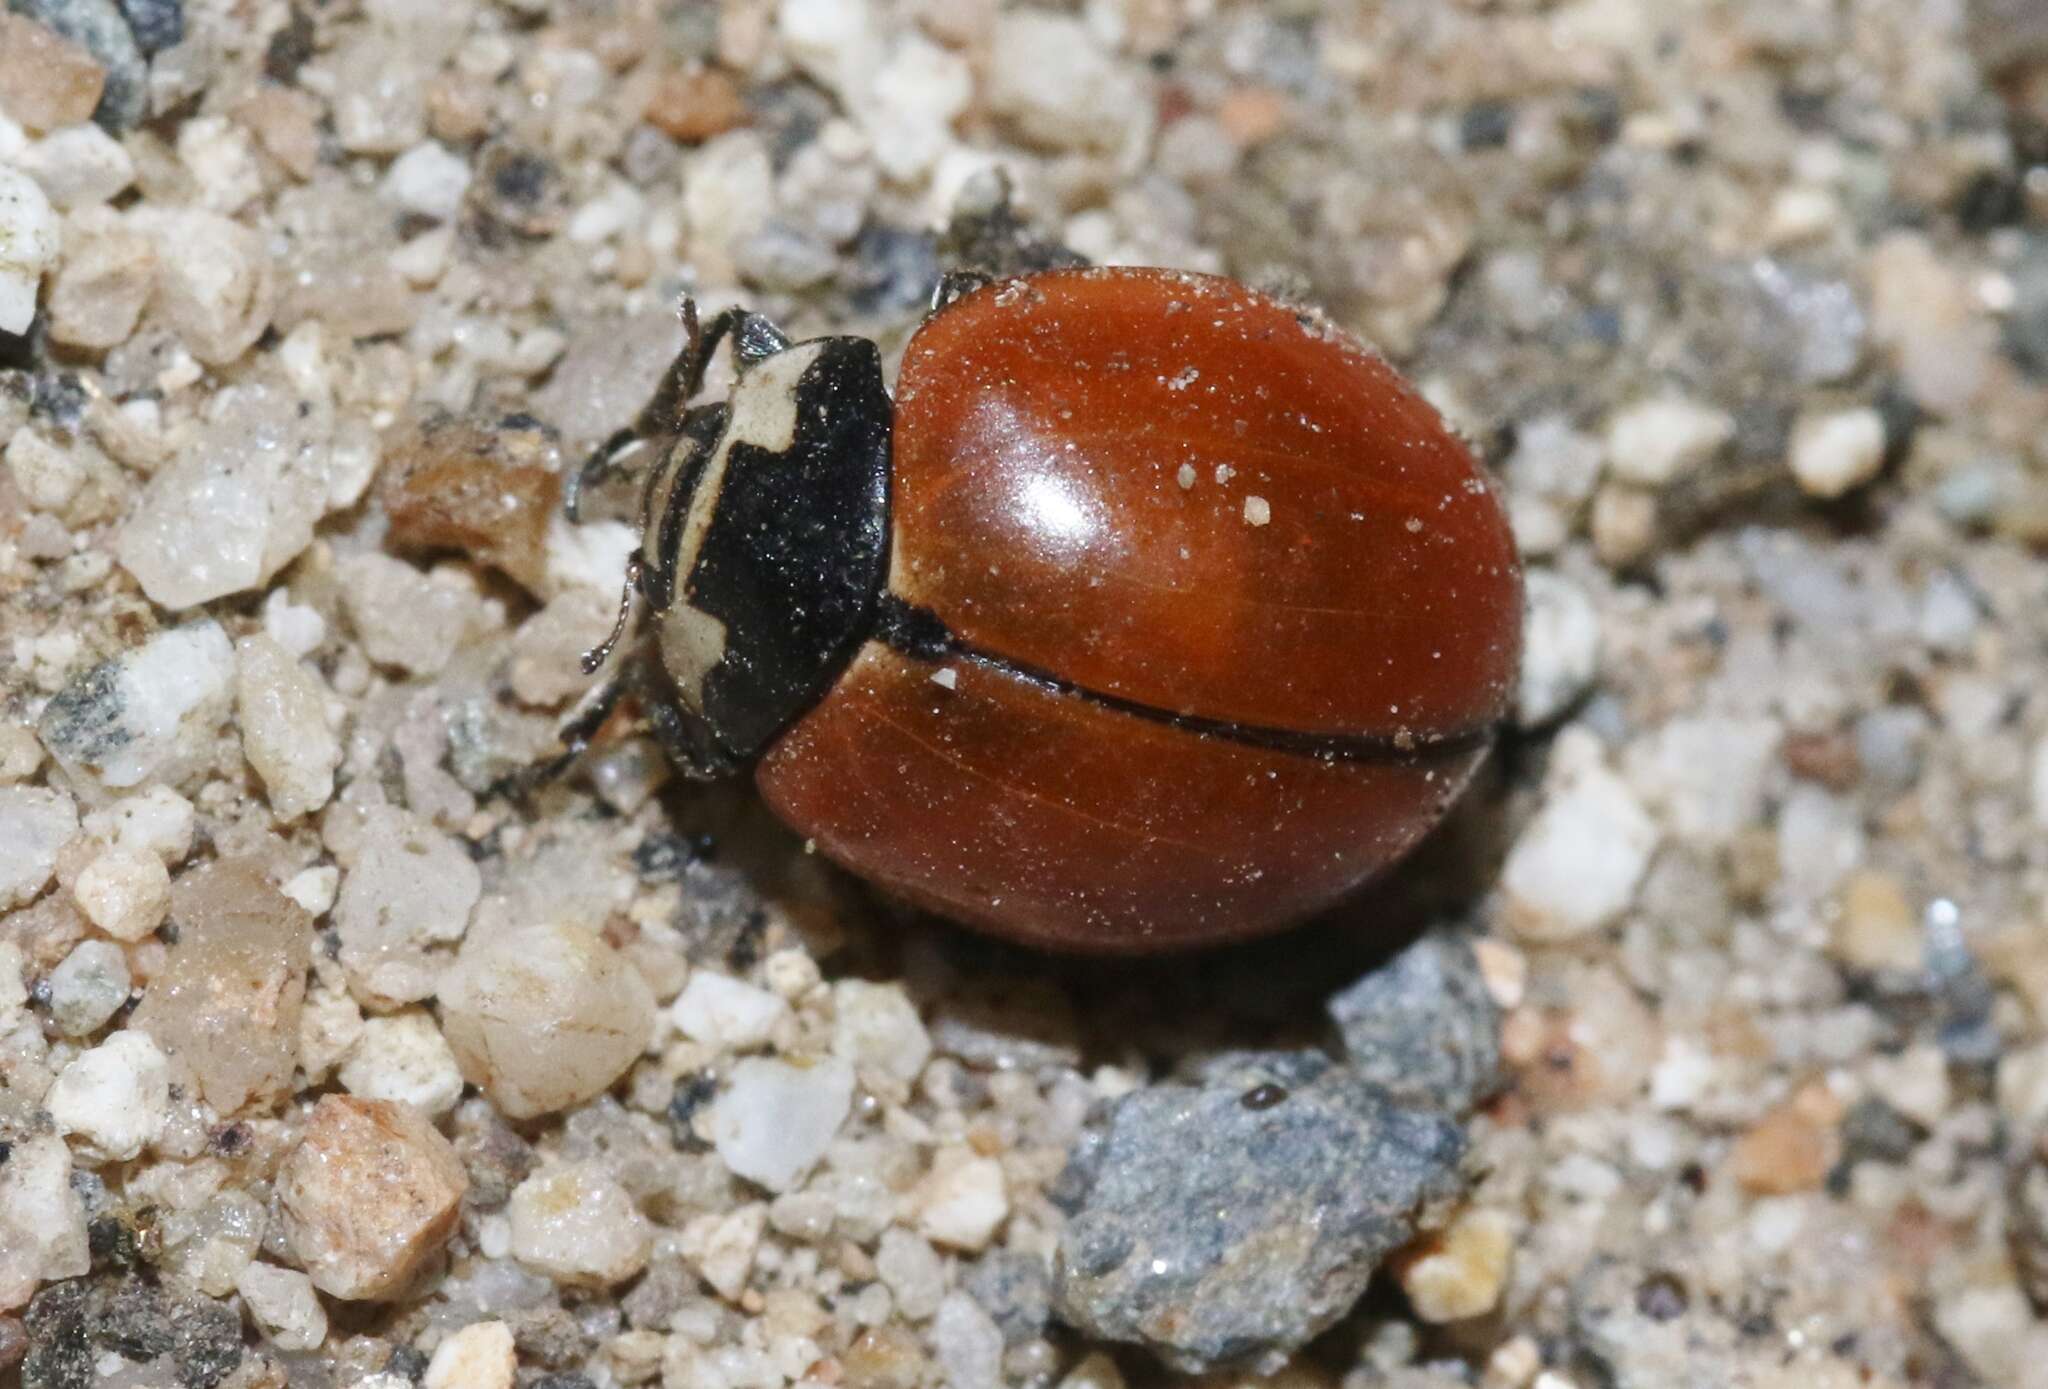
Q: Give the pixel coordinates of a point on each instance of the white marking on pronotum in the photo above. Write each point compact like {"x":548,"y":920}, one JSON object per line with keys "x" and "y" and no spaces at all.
{"x":763,"y":405}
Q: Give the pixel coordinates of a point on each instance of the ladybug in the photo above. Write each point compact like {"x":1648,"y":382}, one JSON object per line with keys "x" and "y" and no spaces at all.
{"x":1153,"y":612}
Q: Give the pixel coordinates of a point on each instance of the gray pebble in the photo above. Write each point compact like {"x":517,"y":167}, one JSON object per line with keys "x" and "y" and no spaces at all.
{"x":157,"y":24}
{"x":1230,"y":1222}
{"x":1424,"y":1026}
{"x":88,"y":987}
{"x":2026,"y":327}
{"x":98,"y":27}
{"x":1818,"y":324}
{"x":1015,"y":1290}
{"x":87,"y":720}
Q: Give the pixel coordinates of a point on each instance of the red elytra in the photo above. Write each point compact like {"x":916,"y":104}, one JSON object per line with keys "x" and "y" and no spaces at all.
{"x":1230,"y":616}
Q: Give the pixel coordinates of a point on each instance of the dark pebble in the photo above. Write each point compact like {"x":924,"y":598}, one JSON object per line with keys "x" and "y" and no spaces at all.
{"x":1424,"y":1026}
{"x":2026,"y":1223}
{"x":1016,"y":1292}
{"x":156,"y":24}
{"x":1299,"y":1202}
{"x":71,"y":1323}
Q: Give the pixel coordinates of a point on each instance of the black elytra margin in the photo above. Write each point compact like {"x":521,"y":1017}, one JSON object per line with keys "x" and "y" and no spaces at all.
{"x":794,"y":556}
{"x":922,"y":635}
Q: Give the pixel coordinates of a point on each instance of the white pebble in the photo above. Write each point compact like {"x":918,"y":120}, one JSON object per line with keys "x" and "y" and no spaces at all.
{"x":1836,"y":452}
{"x":156,"y":821}
{"x":913,"y":1272}
{"x":591,"y":556}
{"x":330,"y":1025}
{"x":1257,"y":511}
{"x":296,"y":627}
{"x":1915,"y":1083}
{"x":115,"y":1097}
{"x":876,"y":1027}
{"x":405,"y":618}
{"x":479,"y":1356}
{"x":1050,"y":76}
{"x":20,"y":753}
{"x":13,"y":984}
{"x":234,"y":508}
{"x":221,"y":157}
{"x":969,"y":1344}
{"x":124,"y":893}
{"x":1994,"y":1330}
{"x":776,"y":1119}
{"x":912,"y":102}
{"x":404,"y":1057}
{"x":1096,"y":1371}
{"x":544,"y":1017}
{"x":834,"y":41}
{"x":284,"y":1306}
{"x":79,"y":166}
{"x":411,"y":889}
{"x":216,"y":286}
{"x":720,"y":1011}
{"x":619,"y":207}
{"x":88,"y":987}
{"x":1705,"y":776}
{"x":1576,"y":866}
{"x":314,"y":888}
{"x":146,"y":714}
{"x":100,"y":290}
{"x":28,"y":246}
{"x":2038,"y":784}
{"x":424,"y":258}
{"x":34,"y":824}
{"x":282,"y":709}
{"x":722,"y":1247}
{"x":576,"y":1225}
{"x":428,"y":180}
{"x":963,"y":1201}
{"x":48,"y":476}
{"x":791,"y":973}
{"x":42,"y":1220}
{"x":1560,"y":647}
{"x":1655,"y":442}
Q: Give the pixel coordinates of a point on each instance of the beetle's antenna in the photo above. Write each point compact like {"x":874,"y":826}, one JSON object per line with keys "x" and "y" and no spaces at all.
{"x":754,"y":337}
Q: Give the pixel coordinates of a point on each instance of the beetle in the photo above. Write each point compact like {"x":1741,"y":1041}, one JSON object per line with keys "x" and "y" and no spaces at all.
{"x":1152,"y":612}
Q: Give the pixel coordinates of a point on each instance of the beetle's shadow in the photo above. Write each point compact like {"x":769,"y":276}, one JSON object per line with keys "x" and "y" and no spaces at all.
{"x":1164,"y":1011}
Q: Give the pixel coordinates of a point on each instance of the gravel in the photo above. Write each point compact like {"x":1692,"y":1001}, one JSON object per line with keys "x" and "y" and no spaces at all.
{"x":1305,"y":1175}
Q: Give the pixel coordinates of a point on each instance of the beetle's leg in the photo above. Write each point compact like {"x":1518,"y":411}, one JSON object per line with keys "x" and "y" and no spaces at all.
{"x":616,"y":462}
{"x":594,"y":659}
{"x":574,"y":736}
{"x":686,"y":748}
{"x":589,"y":715}
{"x":956,"y":284}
